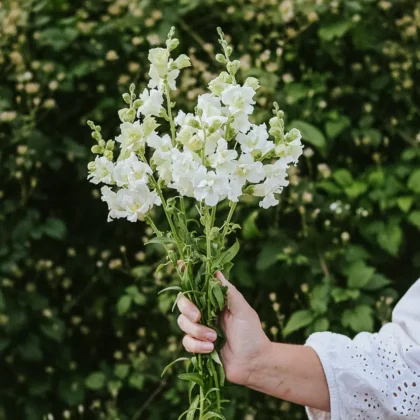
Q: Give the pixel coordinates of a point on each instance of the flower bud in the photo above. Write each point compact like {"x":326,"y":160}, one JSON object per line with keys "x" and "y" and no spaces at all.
{"x":91,"y":124}
{"x":214,"y":233}
{"x":110,"y":145}
{"x":96,"y":136}
{"x":109,"y":155}
{"x":233,"y":67}
{"x":221,"y":59}
{"x":137,"y":103}
{"x":250,"y":189}
{"x":172,"y":44}
{"x":91,"y":165}
{"x":126,"y":98}
{"x":194,"y":123}
{"x":122,"y":114}
{"x":130,"y":115}
{"x":195,"y":143}
{"x":225,"y":77}
{"x":292,"y":135}
{"x":229,"y":50}
{"x":181,"y":62}
{"x":96,"y":149}
{"x":215,"y":125}
{"x":252,"y":82}
{"x":132,"y":87}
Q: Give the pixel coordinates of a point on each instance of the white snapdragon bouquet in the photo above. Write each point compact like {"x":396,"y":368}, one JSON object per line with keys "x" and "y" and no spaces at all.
{"x":212,"y":158}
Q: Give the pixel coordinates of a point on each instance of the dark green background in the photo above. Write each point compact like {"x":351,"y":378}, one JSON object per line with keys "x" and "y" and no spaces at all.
{"x":344,"y":72}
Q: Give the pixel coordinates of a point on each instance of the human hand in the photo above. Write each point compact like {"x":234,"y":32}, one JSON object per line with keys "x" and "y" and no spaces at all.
{"x":245,"y":342}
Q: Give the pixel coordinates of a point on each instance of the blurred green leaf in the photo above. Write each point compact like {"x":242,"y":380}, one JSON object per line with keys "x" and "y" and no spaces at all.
{"x":377,"y":281}
{"x":54,"y":228}
{"x":414,"y":218}
{"x":250,"y":229}
{"x":337,"y":29}
{"x":358,"y":274}
{"x":390,"y":238}
{"x":414,"y":181}
{"x":54,"y":329}
{"x":405,"y":203}
{"x":343,"y":177}
{"x":310,"y":133}
{"x":297,"y":321}
{"x":267,"y":256}
{"x":358,"y":319}
{"x":335,"y":127}
{"x":124,"y":304}
{"x":95,"y":381}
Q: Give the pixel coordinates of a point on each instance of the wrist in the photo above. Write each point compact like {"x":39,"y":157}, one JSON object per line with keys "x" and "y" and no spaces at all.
{"x":259,"y":364}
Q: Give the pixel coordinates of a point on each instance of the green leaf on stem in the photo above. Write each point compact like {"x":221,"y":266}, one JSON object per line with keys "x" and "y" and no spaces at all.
{"x":215,"y":356}
{"x":163,"y":240}
{"x":227,"y":256}
{"x":222,"y":375}
{"x":177,"y":288}
{"x":211,"y":415}
{"x":160,"y":266}
{"x":180,"y":359}
{"x":218,"y":294}
{"x":193,"y":408}
{"x":192,"y":377}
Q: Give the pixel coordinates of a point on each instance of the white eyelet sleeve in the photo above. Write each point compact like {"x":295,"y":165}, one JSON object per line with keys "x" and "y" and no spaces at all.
{"x":374,"y":376}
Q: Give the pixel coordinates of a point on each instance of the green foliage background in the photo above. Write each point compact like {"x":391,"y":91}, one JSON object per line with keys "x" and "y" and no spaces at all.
{"x":83,"y":333}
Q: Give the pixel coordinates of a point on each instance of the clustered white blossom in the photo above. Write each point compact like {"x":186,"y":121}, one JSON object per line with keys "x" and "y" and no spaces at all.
{"x":213,"y":154}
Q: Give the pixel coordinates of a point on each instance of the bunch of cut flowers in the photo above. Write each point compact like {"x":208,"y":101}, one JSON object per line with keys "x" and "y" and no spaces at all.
{"x":197,"y":171}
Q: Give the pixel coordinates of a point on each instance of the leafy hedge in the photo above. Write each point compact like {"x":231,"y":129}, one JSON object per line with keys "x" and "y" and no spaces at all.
{"x":83,"y":332}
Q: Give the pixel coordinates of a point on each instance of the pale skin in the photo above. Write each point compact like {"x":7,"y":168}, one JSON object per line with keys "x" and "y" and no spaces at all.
{"x":290,"y":372}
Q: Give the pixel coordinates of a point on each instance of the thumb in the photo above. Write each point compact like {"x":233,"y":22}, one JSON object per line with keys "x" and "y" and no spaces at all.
{"x":237,"y":304}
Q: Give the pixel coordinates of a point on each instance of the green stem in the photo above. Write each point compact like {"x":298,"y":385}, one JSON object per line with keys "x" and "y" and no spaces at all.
{"x":168,"y":104}
{"x":231,"y":211}
{"x":162,"y":198}
{"x":200,"y":363}
{"x":153,"y":226}
{"x":209,"y":225}
{"x":210,"y":219}
{"x":170,"y":221}
{"x":183,"y":211}
{"x":216,"y":385}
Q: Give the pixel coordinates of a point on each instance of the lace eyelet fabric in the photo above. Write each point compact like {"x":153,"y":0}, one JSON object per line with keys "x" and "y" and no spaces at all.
{"x":374,"y":376}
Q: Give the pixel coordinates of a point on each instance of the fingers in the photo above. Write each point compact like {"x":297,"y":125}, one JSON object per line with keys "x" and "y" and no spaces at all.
{"x":195,"y":330}
{"x":236,"y":304}
{"x":187,"y":308}
{"x":193,"y":345}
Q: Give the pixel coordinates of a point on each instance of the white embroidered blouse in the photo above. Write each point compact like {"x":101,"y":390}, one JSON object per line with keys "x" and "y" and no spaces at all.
{"x":374,"y":376}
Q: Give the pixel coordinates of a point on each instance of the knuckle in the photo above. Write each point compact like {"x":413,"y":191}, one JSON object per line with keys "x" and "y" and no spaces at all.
{"x":197,"y":330}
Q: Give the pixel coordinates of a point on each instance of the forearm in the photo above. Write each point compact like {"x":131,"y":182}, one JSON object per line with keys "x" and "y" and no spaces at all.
{"x":292,"y":373}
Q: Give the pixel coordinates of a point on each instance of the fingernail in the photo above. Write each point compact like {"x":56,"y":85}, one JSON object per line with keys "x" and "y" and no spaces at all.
{"x":207,"y":346}
{"x":211,"y":336}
